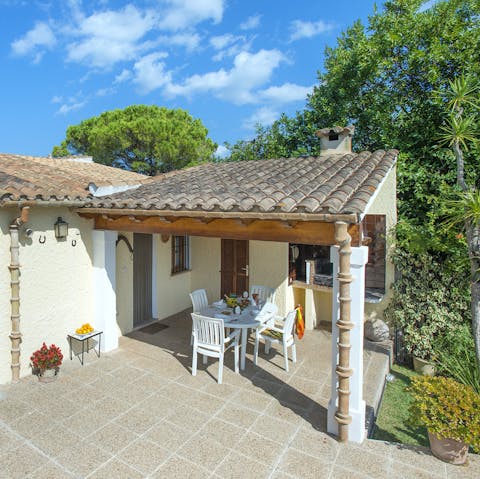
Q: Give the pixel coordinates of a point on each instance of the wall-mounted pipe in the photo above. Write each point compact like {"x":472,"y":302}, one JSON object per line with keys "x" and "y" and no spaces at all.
{"x":16,"y":335}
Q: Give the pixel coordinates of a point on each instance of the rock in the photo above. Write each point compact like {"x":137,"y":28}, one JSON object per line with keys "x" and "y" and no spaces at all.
{"x":377,"y":330}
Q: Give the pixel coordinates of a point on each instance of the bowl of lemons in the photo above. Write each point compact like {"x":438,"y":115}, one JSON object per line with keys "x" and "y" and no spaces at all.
{"x":86,"y":328}
{"x":231,"y":302}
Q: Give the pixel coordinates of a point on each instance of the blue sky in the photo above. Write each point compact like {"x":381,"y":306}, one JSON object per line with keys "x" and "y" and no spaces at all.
{"x":231,"y":63}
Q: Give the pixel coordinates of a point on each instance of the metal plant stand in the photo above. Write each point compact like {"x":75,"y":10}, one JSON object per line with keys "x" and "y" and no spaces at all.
{"x":84,"y":338}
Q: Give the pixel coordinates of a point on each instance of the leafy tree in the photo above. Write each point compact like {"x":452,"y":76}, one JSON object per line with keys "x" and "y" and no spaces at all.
{"x":142,"y":138}
{"x":285,"y":138}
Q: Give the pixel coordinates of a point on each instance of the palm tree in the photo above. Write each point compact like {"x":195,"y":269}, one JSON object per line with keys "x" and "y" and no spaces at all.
{"x":461,"y":130}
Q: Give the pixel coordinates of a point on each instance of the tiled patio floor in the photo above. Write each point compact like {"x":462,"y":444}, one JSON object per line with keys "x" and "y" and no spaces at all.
{"x":137,"y":412}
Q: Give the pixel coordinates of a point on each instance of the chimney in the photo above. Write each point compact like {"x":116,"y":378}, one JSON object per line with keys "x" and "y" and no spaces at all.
{"x":336,"y":140}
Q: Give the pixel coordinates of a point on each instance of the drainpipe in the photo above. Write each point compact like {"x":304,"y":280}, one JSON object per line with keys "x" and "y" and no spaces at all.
{"x":344,"y":324}
{"x":15,"y":335}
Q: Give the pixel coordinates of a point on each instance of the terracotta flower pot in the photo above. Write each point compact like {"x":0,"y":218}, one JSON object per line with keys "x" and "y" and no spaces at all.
{"x":424,"y":367}
{"x":448,"y":450}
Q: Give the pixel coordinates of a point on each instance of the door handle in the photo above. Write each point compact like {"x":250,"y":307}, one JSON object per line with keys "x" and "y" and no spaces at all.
{"x":246,"y":270}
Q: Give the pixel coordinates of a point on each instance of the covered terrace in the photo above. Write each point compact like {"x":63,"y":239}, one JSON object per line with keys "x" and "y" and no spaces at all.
{"x":309,"y":200}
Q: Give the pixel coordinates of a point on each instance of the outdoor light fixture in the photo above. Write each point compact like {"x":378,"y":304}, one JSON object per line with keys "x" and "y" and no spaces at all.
{"x":61,"y":228}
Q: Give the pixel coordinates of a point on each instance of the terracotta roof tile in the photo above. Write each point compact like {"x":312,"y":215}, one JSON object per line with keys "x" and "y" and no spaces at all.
{"x":56,"y":179}
{"x":332,"y":184}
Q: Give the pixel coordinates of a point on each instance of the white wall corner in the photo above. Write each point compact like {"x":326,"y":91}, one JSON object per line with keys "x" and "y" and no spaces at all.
{"x":358,"y":260}
{"x":104,"y":292}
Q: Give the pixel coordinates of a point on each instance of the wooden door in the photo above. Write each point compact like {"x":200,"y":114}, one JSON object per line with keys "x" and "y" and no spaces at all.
{"x":234,"y":266}
{"x":142,"y":279}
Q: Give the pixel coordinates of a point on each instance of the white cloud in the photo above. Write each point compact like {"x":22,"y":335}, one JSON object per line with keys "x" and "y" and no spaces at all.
{"x":150,"y":72}
{"x":182,"y":14}
{"x":222,"y":152}
{"x":123,"y":76}
{"x":75,"y":9}
{"x":229,"y":46}
{"x":124,"y":25}
{"x":71,"y":103}
{"x":221,"y":41}
{"x":264,"y":116}
{"x":110,"y":36}
{"x":249,"y":71}
{"x":300,"y":29}
{"x":35,"y":41}
{"x":251,"y":22}
{"x":38,"y":57}
{"x":190,"y":41}
{"x":68,"y":107}
{"x":286,"y":93}
{"x":105,"y":91}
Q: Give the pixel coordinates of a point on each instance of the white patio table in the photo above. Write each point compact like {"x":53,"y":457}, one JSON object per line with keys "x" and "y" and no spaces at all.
{"x":245,"y":320}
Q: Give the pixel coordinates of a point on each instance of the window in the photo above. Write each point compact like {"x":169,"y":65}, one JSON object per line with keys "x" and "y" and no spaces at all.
{"x":180,"y":254}
{"x":318,"y":257}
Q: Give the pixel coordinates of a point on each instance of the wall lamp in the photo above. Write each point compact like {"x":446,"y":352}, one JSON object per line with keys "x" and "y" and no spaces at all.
{"x":61,"y":228}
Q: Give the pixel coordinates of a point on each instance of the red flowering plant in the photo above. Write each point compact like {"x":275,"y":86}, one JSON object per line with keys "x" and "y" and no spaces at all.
{"x":46,"y":358}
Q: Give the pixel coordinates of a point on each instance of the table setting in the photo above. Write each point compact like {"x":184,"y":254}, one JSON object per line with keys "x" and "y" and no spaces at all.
{"x":237,"y":312}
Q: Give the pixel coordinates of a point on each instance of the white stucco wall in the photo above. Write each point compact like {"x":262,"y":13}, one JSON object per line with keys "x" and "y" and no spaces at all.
{"x":385,"y":203}
{"x":124,"y":285}
{"x":173,"y":290}
{"x":205,"y":264}
{"x":269,"y":267}
{"x":56,"y":288}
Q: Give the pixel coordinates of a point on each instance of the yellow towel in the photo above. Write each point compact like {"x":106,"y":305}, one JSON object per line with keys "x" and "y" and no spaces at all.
{"x":299,"y":323}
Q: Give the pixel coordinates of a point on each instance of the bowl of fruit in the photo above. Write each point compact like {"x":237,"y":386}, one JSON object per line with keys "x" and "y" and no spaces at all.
{"x":86,"y":328}
{"x":231,"y":301}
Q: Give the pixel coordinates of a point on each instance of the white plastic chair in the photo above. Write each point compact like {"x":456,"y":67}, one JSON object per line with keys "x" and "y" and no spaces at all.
{"x":209,"y":340}
{"x":267,"y":314}
{"x":265,"y":294}
{"x":275,"y":334}
{"x":199,"y":301}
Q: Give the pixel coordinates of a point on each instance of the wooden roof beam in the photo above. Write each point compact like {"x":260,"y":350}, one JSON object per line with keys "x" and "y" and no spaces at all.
{"x":304,"y":232}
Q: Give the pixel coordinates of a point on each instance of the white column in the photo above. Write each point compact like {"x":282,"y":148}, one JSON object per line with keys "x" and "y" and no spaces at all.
{"x":310,"y":313}
{"x":104,"y":294}
{"x":358,"y":261}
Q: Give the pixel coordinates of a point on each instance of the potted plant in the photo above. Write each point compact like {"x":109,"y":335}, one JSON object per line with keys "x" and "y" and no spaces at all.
{"x":419,"y":343}
{"x":46,"y":362}
{"x":450,"y":412}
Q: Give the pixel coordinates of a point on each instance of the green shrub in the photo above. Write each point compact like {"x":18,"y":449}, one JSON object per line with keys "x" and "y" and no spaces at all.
{"x":446,"y":408}
{"x":428,"y":299}
{"x":455,"y":356}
